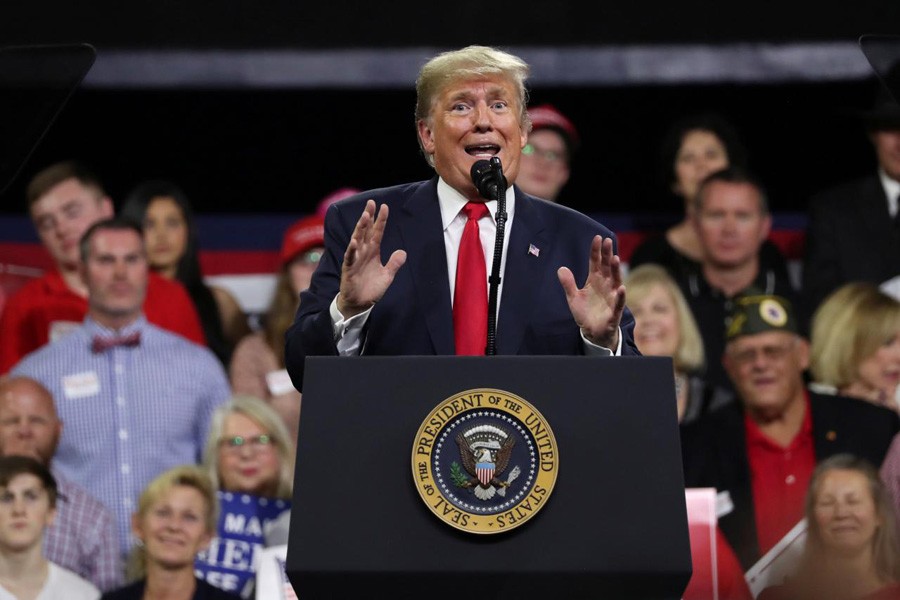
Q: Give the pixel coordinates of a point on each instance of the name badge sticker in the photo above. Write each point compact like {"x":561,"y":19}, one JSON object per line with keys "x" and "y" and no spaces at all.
{"x":81,"y":385}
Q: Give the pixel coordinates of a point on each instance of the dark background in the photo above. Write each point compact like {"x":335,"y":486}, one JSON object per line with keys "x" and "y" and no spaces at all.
{"x":255,"y":149}
{"x":407,"y":23}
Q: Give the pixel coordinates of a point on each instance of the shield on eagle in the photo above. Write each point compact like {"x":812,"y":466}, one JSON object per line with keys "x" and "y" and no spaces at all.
{"x":484,"y":472}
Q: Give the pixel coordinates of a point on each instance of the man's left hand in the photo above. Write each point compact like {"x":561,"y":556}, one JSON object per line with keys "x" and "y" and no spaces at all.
{"x":597,"y":307}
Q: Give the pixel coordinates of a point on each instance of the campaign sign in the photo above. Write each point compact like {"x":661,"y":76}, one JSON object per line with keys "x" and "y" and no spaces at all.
{"x":231,"y":561}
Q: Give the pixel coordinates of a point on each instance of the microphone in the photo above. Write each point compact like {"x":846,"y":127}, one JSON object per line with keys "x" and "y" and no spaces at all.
{"x":488,"y":178}
{"x":491,"y":184}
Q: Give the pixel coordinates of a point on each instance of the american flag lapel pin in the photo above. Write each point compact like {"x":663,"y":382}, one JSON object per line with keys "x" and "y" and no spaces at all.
{"x":534,"y":250}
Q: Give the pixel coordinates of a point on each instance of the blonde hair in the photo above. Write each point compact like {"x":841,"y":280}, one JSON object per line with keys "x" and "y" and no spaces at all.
{"x":265,"y":417}
{"x":190,"y":476}
{"x":689,"y":356}
{"x":848,"y":327}
{"x":471,"y":61}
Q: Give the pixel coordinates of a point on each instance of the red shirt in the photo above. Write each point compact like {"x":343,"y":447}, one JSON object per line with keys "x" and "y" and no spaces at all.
{"x":47,"y":306}
{"x":779,"y":476}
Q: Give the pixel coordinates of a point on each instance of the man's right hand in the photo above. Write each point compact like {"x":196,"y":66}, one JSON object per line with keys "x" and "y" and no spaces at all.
{"x":364,"y":280}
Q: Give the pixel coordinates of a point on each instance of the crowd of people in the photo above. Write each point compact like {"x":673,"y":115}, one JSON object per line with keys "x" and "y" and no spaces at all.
{"x":122,"y":367}
{"x":123,"y":370}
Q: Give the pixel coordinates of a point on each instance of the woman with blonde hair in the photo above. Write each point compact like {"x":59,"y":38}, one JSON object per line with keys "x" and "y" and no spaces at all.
{"x":664,"y":326}
{"x":249,"y":450}
{"x":852,"y":550}
{"x":855,"y":345}
{"x":175,"y":519}
{"x":249,"y":459}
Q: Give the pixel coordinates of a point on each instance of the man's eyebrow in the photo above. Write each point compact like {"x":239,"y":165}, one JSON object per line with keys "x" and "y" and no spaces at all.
{"x":461,"y":95}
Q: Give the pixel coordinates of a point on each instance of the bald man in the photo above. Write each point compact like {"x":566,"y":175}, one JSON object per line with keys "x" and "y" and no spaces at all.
{"x":82,"y":538}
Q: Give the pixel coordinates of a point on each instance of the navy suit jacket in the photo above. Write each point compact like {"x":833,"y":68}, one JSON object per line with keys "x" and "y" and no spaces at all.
{"x":415,"y":315}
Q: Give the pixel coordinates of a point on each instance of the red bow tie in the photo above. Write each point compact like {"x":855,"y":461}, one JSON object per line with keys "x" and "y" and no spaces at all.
{"x":102,"y":344}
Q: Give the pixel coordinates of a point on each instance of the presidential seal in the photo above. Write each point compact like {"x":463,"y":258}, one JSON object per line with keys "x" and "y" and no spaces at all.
{"x":485,"y":461}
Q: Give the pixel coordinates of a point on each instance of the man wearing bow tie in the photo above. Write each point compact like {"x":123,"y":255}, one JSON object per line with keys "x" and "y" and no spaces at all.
{"x":135,"y":398}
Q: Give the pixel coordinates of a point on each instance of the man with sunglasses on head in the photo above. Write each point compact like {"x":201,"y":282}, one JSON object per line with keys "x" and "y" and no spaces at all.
{"x":760,"y":453}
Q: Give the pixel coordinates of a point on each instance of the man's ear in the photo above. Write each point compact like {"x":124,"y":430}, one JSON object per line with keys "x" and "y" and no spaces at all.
{"x":106,"y":207}
{"x":766,"y":228}
{"x":803,"y":352}
{"x":426,"y":136}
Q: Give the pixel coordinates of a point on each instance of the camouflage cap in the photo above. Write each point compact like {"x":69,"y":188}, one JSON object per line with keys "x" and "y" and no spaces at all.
{"x":759,"y":313}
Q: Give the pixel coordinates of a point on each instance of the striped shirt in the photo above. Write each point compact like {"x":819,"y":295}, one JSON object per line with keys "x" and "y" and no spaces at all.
{"x":128,"y":413}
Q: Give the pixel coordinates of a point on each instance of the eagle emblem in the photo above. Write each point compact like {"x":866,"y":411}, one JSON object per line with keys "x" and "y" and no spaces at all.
{"x":485,"y":451}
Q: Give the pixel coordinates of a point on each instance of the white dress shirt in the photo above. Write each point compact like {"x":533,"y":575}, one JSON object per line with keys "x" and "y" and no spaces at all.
{"x":347,"y":332}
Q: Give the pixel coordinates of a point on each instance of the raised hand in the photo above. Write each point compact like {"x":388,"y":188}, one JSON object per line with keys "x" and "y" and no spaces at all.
{"x":364,"y":280}
{"x":598,"y":306}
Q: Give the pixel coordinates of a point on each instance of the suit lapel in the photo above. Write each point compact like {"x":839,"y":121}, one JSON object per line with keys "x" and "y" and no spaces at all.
{"x":523,"y":274}
{"x":420,"y":228}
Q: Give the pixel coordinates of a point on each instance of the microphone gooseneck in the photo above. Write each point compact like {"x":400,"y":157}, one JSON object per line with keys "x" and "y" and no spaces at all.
{"x":491,"y":185}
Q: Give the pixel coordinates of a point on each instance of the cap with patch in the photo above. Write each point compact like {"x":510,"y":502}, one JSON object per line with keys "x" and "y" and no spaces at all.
{"x":759,"y":313}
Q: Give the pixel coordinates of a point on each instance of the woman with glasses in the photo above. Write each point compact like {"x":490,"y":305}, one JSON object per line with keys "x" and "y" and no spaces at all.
{"x":249,"y":451}
{"x":250,"y":459}
{"x":175,"y":520}
{"x":855,"y":345}
{"x":170,"y":236}
{"x":552,"y":142}
{"x":28,"y":497}
{"x":257,"y":366}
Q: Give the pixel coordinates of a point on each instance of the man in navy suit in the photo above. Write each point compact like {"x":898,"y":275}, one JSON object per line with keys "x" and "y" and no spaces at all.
{"x":387,"y":288}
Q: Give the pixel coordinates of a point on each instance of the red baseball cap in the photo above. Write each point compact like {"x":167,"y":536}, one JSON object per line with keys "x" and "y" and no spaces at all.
{"x":308,"y":232}
{"x":546,"y":116}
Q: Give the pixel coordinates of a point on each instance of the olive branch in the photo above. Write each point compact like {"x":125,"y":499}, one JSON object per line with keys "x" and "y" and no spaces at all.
{"x":457,"y":476}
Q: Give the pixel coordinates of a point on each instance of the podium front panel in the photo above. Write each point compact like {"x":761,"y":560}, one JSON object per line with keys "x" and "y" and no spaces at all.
{"x":614,"y":526}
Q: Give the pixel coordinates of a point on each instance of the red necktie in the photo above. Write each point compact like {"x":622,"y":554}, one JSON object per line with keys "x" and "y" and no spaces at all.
{"x":470,"y":306}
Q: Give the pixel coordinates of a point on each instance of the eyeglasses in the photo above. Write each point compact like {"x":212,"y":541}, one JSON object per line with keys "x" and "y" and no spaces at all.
{"x":310,"y":258}
{"x":771,"y":353}
{"x":256,"y":443}
{"x":548,"y":155}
